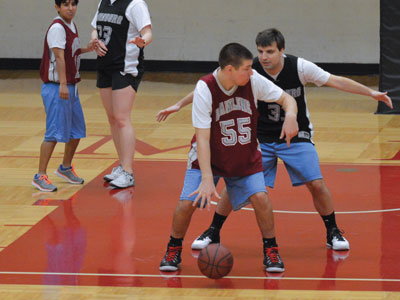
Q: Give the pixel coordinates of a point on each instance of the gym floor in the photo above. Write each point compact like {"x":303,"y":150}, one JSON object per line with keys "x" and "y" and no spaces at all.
{"x":94,"y":242}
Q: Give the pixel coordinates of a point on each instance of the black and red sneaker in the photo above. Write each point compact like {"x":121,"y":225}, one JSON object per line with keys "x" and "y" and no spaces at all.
{"x":272,"y":261}
{"x":172,"y":259}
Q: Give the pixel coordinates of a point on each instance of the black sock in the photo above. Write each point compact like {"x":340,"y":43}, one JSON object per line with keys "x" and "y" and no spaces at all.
{"x":268,"y":243}
{"x":175,"y":242}
{"x":329,"y":221}
{"x":218,"y":221}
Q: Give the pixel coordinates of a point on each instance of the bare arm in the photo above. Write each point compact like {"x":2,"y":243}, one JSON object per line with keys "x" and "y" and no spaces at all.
{"x":207,"y":187}
{"x":90,"y":46}
{"x":93,"y":35}
{"x":290,"y":127}
{"x":99,"y":46}
{"x":145,"y":38}
{"x":351,"y":86}
{"x":163,"y":114}
{"x":62,"y":76}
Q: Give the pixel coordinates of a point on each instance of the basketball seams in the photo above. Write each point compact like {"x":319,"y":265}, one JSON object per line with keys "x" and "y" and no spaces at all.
{"x":222,"y":260}
{"x":215,"y":261}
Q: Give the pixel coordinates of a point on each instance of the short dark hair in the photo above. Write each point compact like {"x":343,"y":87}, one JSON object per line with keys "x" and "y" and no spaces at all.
{"x":59,"y":2}
{"x":233,"y":54}
{"x":269,"y":36}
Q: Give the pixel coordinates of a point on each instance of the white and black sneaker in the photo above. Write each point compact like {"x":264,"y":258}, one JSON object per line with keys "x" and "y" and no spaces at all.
{"x":114,"y":174}
{"x":336,"y":241}
{"x":124,"y":180}
{"x":210,"y":236}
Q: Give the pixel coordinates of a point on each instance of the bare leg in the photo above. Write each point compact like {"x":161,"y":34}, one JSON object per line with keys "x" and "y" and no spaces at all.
{"x":323,"y":203}
{"x":322,"y":198}
{"x":106,"y":98}
{"x":182,"y":216}
{"x":224,"y":206}
{"x":265,"y":219}
{"x":212,"y":234}
{"x":122,"y":106}
{"x":46,"y":150}
{"x":69,"y":152}
{"x":263,"y":210}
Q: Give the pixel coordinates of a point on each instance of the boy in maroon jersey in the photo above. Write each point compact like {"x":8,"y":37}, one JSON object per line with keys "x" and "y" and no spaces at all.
{"x":59,"y":71}
{"x":225,"y":145}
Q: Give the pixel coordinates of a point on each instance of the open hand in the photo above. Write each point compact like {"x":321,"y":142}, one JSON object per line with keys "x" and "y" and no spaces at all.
{"x":100,"y":48}
{"x":204,"y":193}
{"x":383,"y":97}
{"x":163,"y":114}
{"x":290,"y":128}
{"x":138,"y":41}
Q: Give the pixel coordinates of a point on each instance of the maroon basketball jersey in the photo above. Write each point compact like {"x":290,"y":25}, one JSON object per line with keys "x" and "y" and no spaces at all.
{"x":72,"y":53}
{"x":233,"y":133}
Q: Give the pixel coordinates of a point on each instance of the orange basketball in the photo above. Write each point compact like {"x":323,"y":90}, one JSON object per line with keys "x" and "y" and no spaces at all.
{"x":215,"y":261}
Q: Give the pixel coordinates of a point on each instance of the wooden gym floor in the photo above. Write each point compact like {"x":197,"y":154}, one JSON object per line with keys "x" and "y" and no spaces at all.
{"x":92,"y":242}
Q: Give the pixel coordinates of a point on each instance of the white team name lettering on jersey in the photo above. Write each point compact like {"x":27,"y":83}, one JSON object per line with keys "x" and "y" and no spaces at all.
{"x":294,"y":92}
{"x":232,"y":104}
{"x":110,"y":18}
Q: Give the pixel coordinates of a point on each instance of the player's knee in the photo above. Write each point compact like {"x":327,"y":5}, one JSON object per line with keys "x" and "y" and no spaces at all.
{"x":111,"y":119}
{"x":185,"y":207}
{"x":260,"y":198}
{"x":121,"y":122}
{"x":317,"y":186}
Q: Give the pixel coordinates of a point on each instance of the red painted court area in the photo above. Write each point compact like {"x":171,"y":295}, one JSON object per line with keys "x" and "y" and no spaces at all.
{"x":111,"y":237}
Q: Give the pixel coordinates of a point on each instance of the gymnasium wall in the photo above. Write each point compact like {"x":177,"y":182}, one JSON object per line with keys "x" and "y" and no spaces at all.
{"x":328,"y":31}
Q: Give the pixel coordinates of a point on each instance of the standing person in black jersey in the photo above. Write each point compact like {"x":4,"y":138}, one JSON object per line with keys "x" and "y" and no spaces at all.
{"x":123,"y":29}
{"x":290,"y":73}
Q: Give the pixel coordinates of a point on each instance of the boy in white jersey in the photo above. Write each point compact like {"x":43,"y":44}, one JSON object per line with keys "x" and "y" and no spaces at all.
{"x":59,"y":72}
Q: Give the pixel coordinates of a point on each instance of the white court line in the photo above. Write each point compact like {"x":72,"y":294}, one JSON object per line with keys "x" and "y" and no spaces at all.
{"x":198,"y":276}
{"x":336,"y":212}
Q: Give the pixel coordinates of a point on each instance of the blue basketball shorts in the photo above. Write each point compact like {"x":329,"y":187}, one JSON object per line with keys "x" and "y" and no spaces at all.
{"x":239,"y":188}
{"x":300,"y":159}
{"x":64,"y":118}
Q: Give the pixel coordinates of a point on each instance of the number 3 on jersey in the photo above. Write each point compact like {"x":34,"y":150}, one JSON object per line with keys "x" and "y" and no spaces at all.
{"x":104,"y":33}
{"x":233,"y":135}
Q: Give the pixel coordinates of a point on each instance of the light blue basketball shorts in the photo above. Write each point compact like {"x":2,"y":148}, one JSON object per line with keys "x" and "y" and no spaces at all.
{"x":64,"y":118}
{"x":300,"y":159}
{"x":239,"y":188}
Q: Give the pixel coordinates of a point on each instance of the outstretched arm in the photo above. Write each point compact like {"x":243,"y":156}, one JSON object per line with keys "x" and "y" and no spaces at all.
{"x":90,"y":46}
{"x":290,"y":127}
{"x":351,"y":86}
{"x":163,"y":114}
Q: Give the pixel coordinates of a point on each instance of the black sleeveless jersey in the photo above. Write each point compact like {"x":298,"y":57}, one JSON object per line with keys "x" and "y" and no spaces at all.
{"x":112,"y":28}
{"x":272,"y":115}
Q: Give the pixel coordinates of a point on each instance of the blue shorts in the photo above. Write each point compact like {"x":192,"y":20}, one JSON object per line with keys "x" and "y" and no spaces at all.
{"x":300,"y":159}
{"x":64,"y":118}
{"x":239,"y":188}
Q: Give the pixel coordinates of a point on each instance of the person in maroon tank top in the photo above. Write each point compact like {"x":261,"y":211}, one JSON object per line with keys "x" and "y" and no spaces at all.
{"x":59,"y":71}
{"x":225,"y":145}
